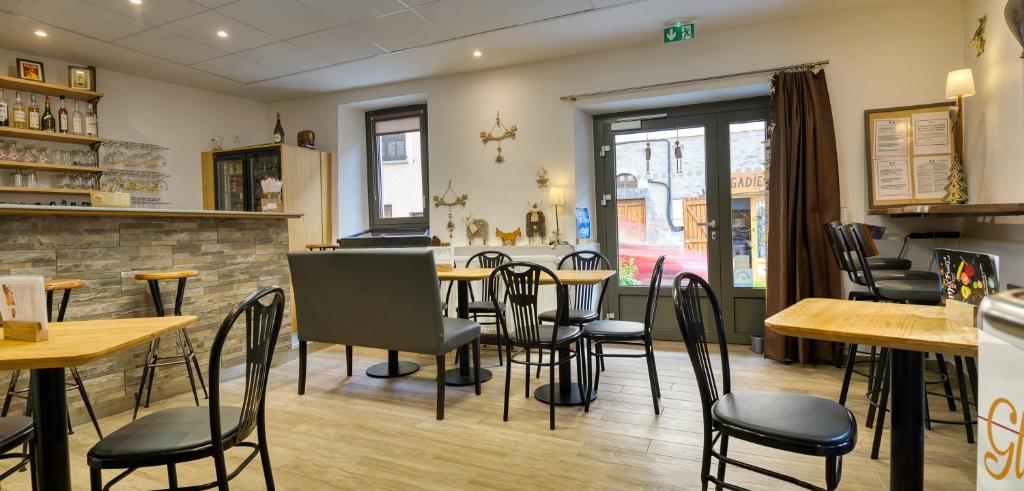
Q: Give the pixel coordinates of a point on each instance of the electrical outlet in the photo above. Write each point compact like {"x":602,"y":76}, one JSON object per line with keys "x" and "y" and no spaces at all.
{"x":611,"y":315}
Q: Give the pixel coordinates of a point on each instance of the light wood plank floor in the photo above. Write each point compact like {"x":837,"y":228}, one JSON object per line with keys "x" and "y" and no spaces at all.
{"x":365,"y":433}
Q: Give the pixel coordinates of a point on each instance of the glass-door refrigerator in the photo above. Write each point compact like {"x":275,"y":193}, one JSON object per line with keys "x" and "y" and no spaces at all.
{"x":238,"y":174}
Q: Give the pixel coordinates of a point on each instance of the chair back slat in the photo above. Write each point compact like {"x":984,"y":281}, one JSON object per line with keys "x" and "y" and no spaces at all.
{"x":863,"y":245}
{"x":521,"y":320}
{"x":686,"y":293}
{"x":263,"y":312}
{"x":582,"y":297}
{"x":487,"y":259}
{"x":652,"y":294}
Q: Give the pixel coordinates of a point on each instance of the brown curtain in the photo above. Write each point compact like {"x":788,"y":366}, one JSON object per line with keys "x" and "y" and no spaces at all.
{"x":803,"y":196}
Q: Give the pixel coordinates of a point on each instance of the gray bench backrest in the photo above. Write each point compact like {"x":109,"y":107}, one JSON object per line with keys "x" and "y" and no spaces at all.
{"x":387,"y":300}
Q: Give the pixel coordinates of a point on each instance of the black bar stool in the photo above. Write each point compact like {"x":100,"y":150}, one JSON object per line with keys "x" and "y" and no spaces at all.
{"x":52,"y":286}
{"x":186,"y":354}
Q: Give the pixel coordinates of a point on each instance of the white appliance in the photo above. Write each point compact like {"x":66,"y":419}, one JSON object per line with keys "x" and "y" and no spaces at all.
{"x":1001,"y":393}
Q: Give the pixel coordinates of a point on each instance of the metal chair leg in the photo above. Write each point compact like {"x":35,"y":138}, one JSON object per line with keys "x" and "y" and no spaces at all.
{"x":724,"y":451}
{"x":551,"y":388}
{"x":302,"y":367}
{"x":651,"y":375}
{"x":883,"y":406}
{"x":946,"y":386}
{"x":962,"y":385}
{"x":188,"y":368}
{"x":440,"y":387}
{"x":85,"y":400}
{"x":508,"y":379}
{"x":11,"y":388}
{"x":527,"y":373}
{"x":848,"y":374}
{"x":145,"y":375}
{"x":476,"y":365}
{"x":172,"y":477}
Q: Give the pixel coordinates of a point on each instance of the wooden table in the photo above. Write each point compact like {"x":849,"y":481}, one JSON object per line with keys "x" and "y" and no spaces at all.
{"x":909,"y":331}
{"x":566,"y":392}
{"x":71,"y":344}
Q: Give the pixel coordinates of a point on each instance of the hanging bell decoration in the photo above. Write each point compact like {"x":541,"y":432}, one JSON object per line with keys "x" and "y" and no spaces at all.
{"x":647,"y":157}
{"x":678,"y":150}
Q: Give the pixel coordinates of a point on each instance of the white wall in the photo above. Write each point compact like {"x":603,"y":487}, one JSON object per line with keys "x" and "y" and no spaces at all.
{"x":883,"y":56}
{"x":180,"y":118}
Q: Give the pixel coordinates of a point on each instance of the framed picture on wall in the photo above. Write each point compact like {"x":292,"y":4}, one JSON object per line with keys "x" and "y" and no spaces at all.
{"x":30,"y":70}
{"x":909,"y":152}
{"x":82,"y":77}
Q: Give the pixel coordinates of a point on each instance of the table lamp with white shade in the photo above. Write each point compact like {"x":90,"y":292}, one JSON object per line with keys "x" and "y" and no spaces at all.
{"x":959,"y":84}
{"x":556,"y":196}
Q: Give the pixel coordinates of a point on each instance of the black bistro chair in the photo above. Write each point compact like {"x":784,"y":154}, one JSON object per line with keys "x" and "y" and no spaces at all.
{"x":522,"y":327}
{"x":616,"y":332}
{"x":484,"y":309}
{"x":913,"y":291}
{"x":585,"y":301}
{"x":790,"y":422}
{"x":184,"y":434}
{"x":17,"y":431}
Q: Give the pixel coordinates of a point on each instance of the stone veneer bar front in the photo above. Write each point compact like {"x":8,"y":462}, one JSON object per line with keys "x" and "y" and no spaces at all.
{"x":234,"y":252}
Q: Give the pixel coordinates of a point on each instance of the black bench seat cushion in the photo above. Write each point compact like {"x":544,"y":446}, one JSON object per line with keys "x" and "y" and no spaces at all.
{"x":174,"y":430}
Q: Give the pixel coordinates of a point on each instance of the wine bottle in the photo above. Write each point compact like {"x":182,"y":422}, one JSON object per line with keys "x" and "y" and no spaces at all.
{"x":91,"y":124}
{"x":77,"y":125}
{"x":19,"y":116}
{"x":62,"y":117}
{"x":33,"y":114}
{"x":278,"y":130}
{"x":49,"y":123}
{"x":3,"y":110}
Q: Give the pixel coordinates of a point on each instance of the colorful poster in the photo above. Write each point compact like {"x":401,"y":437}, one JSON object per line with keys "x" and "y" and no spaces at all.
{"x":582,"y":223}
{"x":967,"y":276}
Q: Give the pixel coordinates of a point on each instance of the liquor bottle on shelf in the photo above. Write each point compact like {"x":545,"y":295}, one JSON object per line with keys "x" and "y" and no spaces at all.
{"x":4,"y":121}
{"x":77,"y":123}
{"x":49,"y":123}
{"x":33,"y":114}
{"x":62,"y":117}
{"x":278,"y":130}
{"x":18,"y":116}
{"x":91,"y":125}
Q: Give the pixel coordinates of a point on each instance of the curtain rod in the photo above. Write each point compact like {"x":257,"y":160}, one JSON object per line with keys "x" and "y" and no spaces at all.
{"x":638,"y":88}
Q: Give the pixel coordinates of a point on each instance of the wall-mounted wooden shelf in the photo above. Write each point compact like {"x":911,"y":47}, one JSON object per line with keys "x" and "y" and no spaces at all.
{"x":944,"y":210}
{"x":12,"y":189}
{"x":10,"y":164}
{"x":12,"y":132}
{"x":33,"y":87}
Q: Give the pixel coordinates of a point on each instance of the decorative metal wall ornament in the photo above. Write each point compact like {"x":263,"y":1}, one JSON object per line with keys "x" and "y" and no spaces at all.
{"x":678,"y":151}
{"x":542,"y":178}
{"x":978,"y":41}
{"x":476,"y":228}
{"x":457,"y":200}
{"x":536,"y":224}
{"x":489,"y":136}
{"x":508,"y":238}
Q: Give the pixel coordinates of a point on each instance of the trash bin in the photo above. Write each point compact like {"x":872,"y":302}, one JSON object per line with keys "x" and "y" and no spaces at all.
{"x":757,"y":343}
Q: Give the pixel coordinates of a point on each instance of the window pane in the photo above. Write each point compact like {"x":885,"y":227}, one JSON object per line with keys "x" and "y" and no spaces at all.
{"x":662,"y":203}
{"x":401,"y":174}
{"x":747,"y":217}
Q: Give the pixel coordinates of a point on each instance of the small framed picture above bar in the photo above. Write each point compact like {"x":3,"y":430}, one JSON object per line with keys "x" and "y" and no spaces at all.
{"x":910,"y":152}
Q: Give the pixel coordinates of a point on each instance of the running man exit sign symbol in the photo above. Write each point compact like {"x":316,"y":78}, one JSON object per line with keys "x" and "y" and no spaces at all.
{"x":678,"y":32}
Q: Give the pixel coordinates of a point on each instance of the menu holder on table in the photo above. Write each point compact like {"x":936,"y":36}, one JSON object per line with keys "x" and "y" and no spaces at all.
{"x":966,"y":279}
{"x":23,"y":308}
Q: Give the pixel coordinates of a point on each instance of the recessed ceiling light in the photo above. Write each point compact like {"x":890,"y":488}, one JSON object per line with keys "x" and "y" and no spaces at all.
{"x":136,"y":2}
{"x":222,"y":33}
{"x":478,"y":53}
{"x":41,"y":33}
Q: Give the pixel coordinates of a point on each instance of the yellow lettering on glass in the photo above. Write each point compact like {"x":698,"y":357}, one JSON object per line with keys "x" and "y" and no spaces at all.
{"x":995,"y":464}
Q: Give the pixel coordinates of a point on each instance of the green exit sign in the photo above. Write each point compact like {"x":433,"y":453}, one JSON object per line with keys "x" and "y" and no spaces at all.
{"x":678,"y":32}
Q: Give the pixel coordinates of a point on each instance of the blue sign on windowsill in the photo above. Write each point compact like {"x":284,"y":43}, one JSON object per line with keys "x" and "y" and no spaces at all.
{"x":582,"y":223}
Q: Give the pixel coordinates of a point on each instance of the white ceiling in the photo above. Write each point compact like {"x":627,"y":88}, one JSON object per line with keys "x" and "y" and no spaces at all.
{"x":279,"y":49}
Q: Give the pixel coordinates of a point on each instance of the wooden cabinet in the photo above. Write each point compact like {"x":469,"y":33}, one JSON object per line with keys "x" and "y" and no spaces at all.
{"x":306,"y":178}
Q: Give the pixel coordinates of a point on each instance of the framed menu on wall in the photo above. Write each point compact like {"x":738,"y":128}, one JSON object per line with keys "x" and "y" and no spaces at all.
{"x":909,"y":154}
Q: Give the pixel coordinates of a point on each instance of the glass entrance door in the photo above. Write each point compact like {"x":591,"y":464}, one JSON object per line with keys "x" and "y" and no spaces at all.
{"x":690,"y":185}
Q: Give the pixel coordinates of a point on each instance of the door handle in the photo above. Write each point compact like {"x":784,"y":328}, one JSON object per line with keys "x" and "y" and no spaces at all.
{"x":712,"y":226}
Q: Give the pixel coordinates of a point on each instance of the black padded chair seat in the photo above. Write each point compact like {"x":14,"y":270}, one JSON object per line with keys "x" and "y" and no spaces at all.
{"x":613,"y":328}
{"x":13,"y":431}
{"x":919,"y":291}
{"x":908,"y":274}
{"x":483,"y":307}
{"x":459,"y":332}
{"x":885,"y":263}
{"x":792,"y":418}
{"x":576,"y":316}
{"x":566,"y":334}
{"x":165,"y":433}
